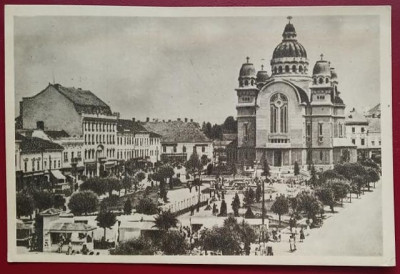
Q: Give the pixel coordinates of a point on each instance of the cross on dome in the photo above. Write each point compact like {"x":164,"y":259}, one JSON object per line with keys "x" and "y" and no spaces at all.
{"x":289,"y":18}
{"x":322,"y":57}
{"x":247,"y":59}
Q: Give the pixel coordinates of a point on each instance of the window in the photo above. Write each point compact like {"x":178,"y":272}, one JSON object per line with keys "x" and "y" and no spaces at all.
{"x":379,"y":142}
{"x":340,"y":130}
{"x":294,"y":69}
{"x":203,"y":149}
{"x":300,"y":68}
{"x":79,"y":155}
{"x":26,"y":166}
{"x":59,"y":163}
{"x":320,"y":129}
{"x":320,"y":80}
{"x":287,"y":68}
{"x":353,"y":141}
{"x":315,"y":81}
{"x":66,"y":157}
{"x":373,"y":143}
{"x":353,"y":129}
{"x":327,"y":80}
{"x":33,"y":164}
{"x":72,"y":156}
{"x":184,"y":149}
{"x":321,"y":155}
{"x":174,"y":149}
{"x":44,"y":164}
{"x":279,"y":113}
{"x":362,"y":141}
{"x":362,"y":130}
{"x":55,"y":164}
{"x":280,"y":69}
{"x":164,"y":149}
{"x":38,"y":165}
{"x":245,"y":134}
{"x":308,"y":131}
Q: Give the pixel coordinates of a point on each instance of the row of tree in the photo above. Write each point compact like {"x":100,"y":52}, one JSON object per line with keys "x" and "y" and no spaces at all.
{"x":215,"y":131}
{"x":28,"y":202}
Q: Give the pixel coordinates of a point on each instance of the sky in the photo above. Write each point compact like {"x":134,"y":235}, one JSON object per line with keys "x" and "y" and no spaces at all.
{"x":169,"y":68}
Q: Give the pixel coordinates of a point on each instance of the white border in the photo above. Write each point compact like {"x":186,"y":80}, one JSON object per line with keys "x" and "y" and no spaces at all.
{"x":388,"y":257}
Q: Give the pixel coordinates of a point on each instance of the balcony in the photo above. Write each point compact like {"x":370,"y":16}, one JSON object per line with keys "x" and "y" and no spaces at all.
{"x":278,"y":143}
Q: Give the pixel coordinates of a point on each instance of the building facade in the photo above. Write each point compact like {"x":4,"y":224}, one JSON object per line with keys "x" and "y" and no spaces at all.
{"x":179,"y":139}
{"x":291,"y":116}
{"x":82,"y":115}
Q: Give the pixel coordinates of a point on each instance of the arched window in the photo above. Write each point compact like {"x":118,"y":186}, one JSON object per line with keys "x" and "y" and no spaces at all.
{"x":287,"y":68}
{"x":279,"y":113}
{"x":315,"y":81}
{"x":184,"y":149}
{"x":280,"y":69}
{"x":321,"y":80}
{"x":252,"y":82}
{"x":300,"y":68}
{"x":275,"y":70}
{"x":294,"y":69}
{"x":327,"y":80}
{"x":246,"y":83}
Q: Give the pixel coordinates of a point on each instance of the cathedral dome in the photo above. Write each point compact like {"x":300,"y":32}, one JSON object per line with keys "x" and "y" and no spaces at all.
{"x":289,"y":57}
{"x":247,"y":70}
{"x":262,"y":75}
{"x":322,"y":67}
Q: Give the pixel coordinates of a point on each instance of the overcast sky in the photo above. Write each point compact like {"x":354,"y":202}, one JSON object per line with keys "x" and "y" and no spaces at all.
{"x":185,"y":67}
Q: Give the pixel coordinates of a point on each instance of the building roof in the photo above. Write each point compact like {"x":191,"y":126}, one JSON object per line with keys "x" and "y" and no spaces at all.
{"x":56,"y":134}
{"x":36,"y":145}
{"x":374,"y":125}
{"x":229,"y":136}
{"x":50,"y":211}
{"x":178,"y":132}
{"x":70,"y":227}
{"x":125,"y":125}
{"x":374,"y":112}
{"x":355,"y":118}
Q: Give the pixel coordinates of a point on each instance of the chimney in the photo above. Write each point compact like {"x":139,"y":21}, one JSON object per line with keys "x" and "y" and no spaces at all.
{"x":148,"y":119}
{"x":40,"y":125}
{"x":191,"y":120}
{"x":179,"y":119}
{"x":133,"y":120}
{"x":169,"y":120}
{"x":186,"y":119}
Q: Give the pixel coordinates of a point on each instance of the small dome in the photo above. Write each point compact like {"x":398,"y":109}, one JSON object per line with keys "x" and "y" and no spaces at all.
{"x":262,"y":75}
{"x":289,"y":31}
{"x":322,"y":67}
{"x":333,"y":74}
{"x":247,"y":70}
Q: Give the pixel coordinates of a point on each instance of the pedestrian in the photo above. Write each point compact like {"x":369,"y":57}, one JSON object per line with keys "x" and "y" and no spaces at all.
{"x":292,"y":243}
{"x":269,"y":249}
{"x":302,"y":237}
{"x":69,"y":251}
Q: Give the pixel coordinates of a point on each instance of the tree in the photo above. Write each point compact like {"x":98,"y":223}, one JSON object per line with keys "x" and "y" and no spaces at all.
{"x":358,"y":183}
{"x":249,"y":213}
{"x":194,"y":166}
{"x":109,"y":202}
{"x":59,"y":201}
{"x":128,"y":207}
{"x":43,"y":200}
{"x":313,"y":178}
{"x":141,"y":176}
{"x":112,"y":184}
{"x":230,"y":125}
{"x":146,"y":206}
{"x":174,"y":243}
{"x":203,"y":160}
{"x":258,"y":193}
{"x":165,"y":220}
{"x":280,"y":207}
{"x":223,"y":209}
{"x":106,"y":219}
{"x":163,"y":191}
{"x":83,"y":202}
{"x":373,"y":177}
{"x":229,"y":238}
{"x":127,"y":183}
{"x":330,"y":175}
{"x":25,"y":205}
{"x":309,"y":204}
{"x":296,"y":168}
{"x":95,"y":184}
{"x":340,"y":189}
{"x":326,"y":196}
{"x":138,"y":246}
{"x":236,"y":205}
{"x":249,"y":196}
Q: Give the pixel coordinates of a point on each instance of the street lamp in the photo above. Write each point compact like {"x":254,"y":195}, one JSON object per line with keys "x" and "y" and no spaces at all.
{"x":74,"y":163}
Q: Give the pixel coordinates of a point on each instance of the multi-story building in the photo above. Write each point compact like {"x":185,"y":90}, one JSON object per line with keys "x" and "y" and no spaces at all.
{"x":39,"y":162}
{"x":179,"y":139}
{"x":364,"y":131}
{"x":82,"y":115}
{"x":136,"y":142}
{"x":357,"y":132}
{"x":291,"y":116}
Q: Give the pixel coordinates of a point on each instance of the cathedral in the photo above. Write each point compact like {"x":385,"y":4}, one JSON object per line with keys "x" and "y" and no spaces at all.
{"x":291,"y":116}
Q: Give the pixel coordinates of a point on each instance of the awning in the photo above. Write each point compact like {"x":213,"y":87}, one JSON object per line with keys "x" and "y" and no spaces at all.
{"x":57,"y":174}
{"x":71,"y":227}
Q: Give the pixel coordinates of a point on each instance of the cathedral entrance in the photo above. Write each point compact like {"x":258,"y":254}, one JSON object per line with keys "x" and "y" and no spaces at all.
{"x":277,"y":158}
